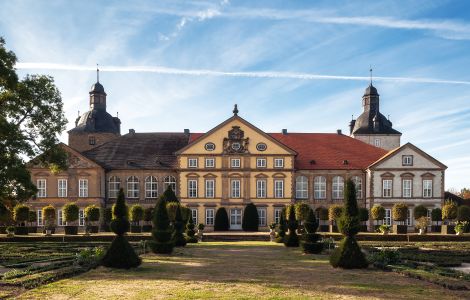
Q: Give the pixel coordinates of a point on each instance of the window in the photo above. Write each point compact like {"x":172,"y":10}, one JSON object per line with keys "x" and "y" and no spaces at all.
{"x":194,"y":215}
{"x":235,"y":190}
{"x":209,"y":146}
{"x":407,"y":188}
{"x":235,"y":163}
{"x":62,"y":188}
{"x":262,"y":216}
{"x":387,"y":188}
{"x":279,"y":162}
{"x":209,"y":216}
{"x":377,"y":143}
{"x":261,"y":188}
{"x":40,"y":220}
{"x":277,"y":215}
{"x":261,"y":146}
{"x":91,"y":140}
{"x":358,"y":184}
{"x":81,"y":218}
{"x":192,"y":162}
{"x":41,"y":185}
{"x":210,"y":186}
{"x":261,"y":162}
{"x":114,"y":186}
{"x":133,"y":187}
{"x":409,"y":219}
{"x":60,"y":218}
{"x":279,"y":188}
{"x":192,"y":188}
{"x":151,"y":187}
{"x":407,"y":160}
{"x":83,"y":188}
{"x":210,"y":162}
{"x":427,"y":188}
{"x":301,"y":187}
{"x":338,"y":187}
{"x":170,"y":181}
{"x":388,"y":217}
{"x":319,"y":187}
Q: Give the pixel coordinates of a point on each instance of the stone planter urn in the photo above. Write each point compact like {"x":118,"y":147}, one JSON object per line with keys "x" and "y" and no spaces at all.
{"x":272,"y":234}
{"x":421,"y":231}
{"x":200,"y":234}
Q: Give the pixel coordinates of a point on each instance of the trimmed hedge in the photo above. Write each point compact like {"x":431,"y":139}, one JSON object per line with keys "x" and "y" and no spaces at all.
{"x":310,"y":243}
{"x":449,"y":211}
{"x":420,"y":211}
{"x":92,"y":213}
{"x":250,"y":218}
{"x":21,"y":213}
{"x":377,"y":212}
{"x":221,"y":220}
{"x":399,"y":212}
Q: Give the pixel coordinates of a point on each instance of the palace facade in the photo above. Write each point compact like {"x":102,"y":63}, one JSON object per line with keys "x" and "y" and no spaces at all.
{"x":236,"y":163}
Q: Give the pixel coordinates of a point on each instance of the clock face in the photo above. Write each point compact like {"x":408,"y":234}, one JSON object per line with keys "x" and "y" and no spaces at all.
{"x":261,"y":146}
{"x":209,"y":146}
{"x":236,"y":146}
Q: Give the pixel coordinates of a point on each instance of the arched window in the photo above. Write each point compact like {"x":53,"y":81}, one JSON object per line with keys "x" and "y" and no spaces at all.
{"x":301,"y":187}
{"x":114,"y":186}
{"x":151,"y":187}
{"x":358,"y":183}
{"x":170,"y":181}
{"x":319,"y":187}
{"x":132,"y":187}
{"x":338,"y":187}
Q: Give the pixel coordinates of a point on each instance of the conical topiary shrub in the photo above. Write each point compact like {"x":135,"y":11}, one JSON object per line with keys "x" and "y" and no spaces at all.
{"x":178,"y":237}
{"x":310,"y":243}
{"x":221,"y":220}
{"x":169,"y":195}
{"x":349,"y":255}
{"x":250,"y":220}
{"x":190,"y":231}
{"x":162,"y":231}
{"x":281,"y":231}
{"x":291,"y":239}
{"x":120,"y":254}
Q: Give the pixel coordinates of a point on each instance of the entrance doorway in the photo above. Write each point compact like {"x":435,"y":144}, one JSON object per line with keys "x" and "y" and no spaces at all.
{"x":236,"y":218}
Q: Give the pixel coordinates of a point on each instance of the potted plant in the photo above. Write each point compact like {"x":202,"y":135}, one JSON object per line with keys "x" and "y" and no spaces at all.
{"x":21,"y":216}
{"x":436,"y":217}
{"x":48,"y":213}
{"x":272,"y":232}
{"x":334,"y":212}
{"x":449,"y":214}
{"x":10,"y":230}
{"x":200,"y":231}
{"x":148,"y":215}
{"x":377,"y":213}
{"x":422,"y":224}
{"x":71,"y":214}
{"x":420,"y":211}
{"x":136,"y":215}
{"x":92,"y":217}
{"x":363,"y":218}
{"x":460,"y":227}
{"x":384,"y":229}
{"x":32,"y":219}
{"x":399,"y":214}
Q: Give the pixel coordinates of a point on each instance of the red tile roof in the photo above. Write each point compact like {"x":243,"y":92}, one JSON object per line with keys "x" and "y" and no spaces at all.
{"x":327,"y":150}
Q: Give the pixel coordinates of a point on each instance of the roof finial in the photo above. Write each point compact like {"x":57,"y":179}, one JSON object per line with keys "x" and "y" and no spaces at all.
{"x":97,"y":73}
{"x":235,"y":110}
{"x":352,"y":117}
{"x":117,"y":114}
{"x":370,"y":70}
{"x":79,"y":113}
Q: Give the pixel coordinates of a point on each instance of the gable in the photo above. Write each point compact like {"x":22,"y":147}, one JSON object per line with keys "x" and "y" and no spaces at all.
{"x":75,"y":160}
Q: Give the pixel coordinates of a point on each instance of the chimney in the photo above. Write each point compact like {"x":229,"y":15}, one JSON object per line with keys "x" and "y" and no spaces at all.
{"x":186,"y":131}
{"x":284,"y":131}
{"x":132,"y":131}
{"x":339,"y":131}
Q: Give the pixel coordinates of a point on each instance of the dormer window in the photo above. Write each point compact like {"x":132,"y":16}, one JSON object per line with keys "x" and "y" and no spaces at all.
{"x":91,"y":140}
{"x":407,"y":160}
{"x":377,"y":143}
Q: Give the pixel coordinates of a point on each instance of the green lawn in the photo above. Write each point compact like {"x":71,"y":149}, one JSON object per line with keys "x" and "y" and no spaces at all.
{"x":239,"y":270}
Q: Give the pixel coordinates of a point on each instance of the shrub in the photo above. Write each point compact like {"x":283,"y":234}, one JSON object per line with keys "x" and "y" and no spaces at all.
{"x":291,"y":239}
{"x":201,"y":226}
{"x":449,"y":211}
{"x":420,"y":211}
{"x":334,"y":212}
{"x":190,"y":232}
{"x":436,"y":215}
{"x":178,"y":237}
{"x":282,"y":227}
{"x":463,"y":213}
{"x":250,"y":218}
{"x":384,"y":228}
{"x":384,"y":257}
{"x":20,"y":213}
{"x":171,"y":208}
{"x":185,"y":213}
{"x":90,"y":257}
{"x":120,"y":254}
{"x":377,"y":212}
{"x":162,"y":231}
{"x":310,"y":243}
{"x":322,"y":213}
{"x":136,"y":214}
{"x":399,"y":212}
{"x":349,"y":255}
{"x":221,"y":220}
{"x":169,"y":195}
{"x":148,"y":214}
{"x":32,"y":216}
{"x":92,"y":213}
{"x":302,"y":210}
{"x":422,"y":223}
{"x":363,"y":214}
{"x":48,"y":213}
{"x":70,"y":211}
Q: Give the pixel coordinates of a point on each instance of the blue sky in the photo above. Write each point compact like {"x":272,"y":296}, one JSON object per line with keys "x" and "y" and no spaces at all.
{"x":300,"y":65}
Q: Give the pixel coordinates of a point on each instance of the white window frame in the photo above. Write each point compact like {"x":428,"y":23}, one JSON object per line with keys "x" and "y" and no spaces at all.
{"x":358,"y":184}
{"x":60,"y":218}
{"x":319,"y":187}
{"x":170,"y":181}
{"x":210,"y":162}
{"x":409,"y":217}
{"x":62,"y":188}
{"x":261,"y":216}
{"x":261,"y":188}
{"x":41,"y":185}
{"x":192,"y":162}
{"x":82,"y":187}
{"x":407,"y":160}
{"x":277,"y":215}
{"x":387,"y":188}
{"x":114,"y":185}
{"x":39,"y":218}
{"x":210,"y":216}
{"x":194,"y":215}
{"x":377,"y":143}
{"x":81,"y":217}
{"x":388,"y":217}
{"x":301,"y":187}
{"x":133,"y":189}
{"x":407,"y":188}
{"x":279,"y":188}
{"x":261,"y":162}
{"x":210,"y":188}
{"x":235,"y":163}
{"x":235,"y":188}
{"x":427,"y":188}
{"x":338,"y":188}
{"x":192,"y":188}
{"x":279,"y":162}
{"x":151,"y":187}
